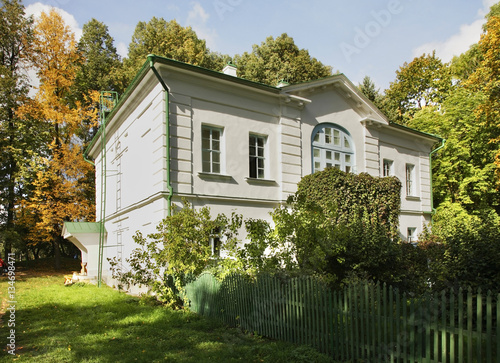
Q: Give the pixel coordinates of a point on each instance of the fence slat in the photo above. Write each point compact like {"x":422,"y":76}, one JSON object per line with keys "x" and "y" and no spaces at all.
{"x":460,"y":352}
{"x":489,"y":318}
{"x":498,"y":328}
{"x":443,"y":326}
{"x":378,"y":315}
{"x":397,"y":316}
{"x":469,"y":325}
{"x":365,"y":334}
{"x":452,"y":327}
{"x":412,"y":331}
{"x":479,"y":327}
{"x":343,"y":324}
{"x":391,"y":318}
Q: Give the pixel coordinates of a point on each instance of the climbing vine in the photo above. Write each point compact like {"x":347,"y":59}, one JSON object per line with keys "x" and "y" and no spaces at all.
{"x":354,"y":196}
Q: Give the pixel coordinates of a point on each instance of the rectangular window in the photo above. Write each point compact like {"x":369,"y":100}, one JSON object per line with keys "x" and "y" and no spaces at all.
{"x":410,"y":180}
{"x":211,"y":149}
{"x":387,"y":167}
{"x":411,"y":235}
{"x":257,"y":156}
{"x":215,"y":243}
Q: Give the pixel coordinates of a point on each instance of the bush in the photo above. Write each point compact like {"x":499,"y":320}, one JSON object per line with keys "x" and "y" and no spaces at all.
{"x":464,"y":248}
{"x":177,"y":253}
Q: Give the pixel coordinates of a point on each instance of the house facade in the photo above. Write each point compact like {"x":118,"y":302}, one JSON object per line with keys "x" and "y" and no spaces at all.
{"x":217,"y":140}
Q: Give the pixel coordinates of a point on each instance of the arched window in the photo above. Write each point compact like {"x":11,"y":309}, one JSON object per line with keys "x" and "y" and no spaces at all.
{"x":332,"y":146}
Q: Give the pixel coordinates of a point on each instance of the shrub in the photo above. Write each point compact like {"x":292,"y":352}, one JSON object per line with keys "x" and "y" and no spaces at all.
{"x":178,"y":252}
{"x":464,"y":248}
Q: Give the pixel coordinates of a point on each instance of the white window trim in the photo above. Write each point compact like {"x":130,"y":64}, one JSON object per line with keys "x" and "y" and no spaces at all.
{"x":411,"y":235}
{"x":390,"y":163}
{"x":265,"y":158}
{"x":221,"y":150}
{"x":410,"y":180}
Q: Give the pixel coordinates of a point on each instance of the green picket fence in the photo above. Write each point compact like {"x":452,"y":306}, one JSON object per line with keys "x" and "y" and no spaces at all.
{"x":364,"y":321}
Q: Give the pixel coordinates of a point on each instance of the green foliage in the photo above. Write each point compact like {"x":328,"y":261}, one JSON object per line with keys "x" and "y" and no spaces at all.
{"x":425,"y":81}
{"x":100,"y":64}
{"x":464,"y":248}
{"x":179,"y":251}
{"x":464,"y":170}
{"x":22,"y":139}
{"x":280,"y":59}
{"x":464,"y":65}
{"x":171,"y":40}
{"x":354,"y":196}
{"x":370,"y":91}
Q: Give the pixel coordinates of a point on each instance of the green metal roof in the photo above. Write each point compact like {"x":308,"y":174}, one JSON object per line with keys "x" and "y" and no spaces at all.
{"x":82,"y":227}
{"x":415,"y":131}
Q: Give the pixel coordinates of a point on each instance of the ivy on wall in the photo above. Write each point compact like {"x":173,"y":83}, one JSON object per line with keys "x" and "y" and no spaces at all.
{"x":355,"y":196}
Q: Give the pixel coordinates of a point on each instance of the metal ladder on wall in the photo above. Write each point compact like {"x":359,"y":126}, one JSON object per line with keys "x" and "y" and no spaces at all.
{"x":107,"y":102}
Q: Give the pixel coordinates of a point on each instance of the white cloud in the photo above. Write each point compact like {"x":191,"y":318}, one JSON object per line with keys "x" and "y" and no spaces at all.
{"x":122,"y":49}
{"x":36,"y":10}
{"x":197,"y":19}
{"x":459,"y":43}
{"x":454,"y":45}
{"x":487,"y":4}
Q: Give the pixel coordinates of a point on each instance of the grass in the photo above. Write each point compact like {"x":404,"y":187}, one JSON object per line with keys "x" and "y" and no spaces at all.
{"x":83,"y":323}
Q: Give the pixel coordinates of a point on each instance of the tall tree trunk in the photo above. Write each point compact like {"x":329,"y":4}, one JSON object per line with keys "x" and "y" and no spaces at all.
{"x":56,"y":244}
{"x":11,"y":197}
{"x":57,"y":252}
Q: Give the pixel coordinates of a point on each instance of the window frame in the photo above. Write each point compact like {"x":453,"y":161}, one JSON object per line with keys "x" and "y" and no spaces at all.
{"x":215,"y":244}
{"x":389,"y":171}
{"x":256,"y":157}
{"x":211,"y":151}
{"x":411,"y":234}
{"x":332,"y":146}
{"x":410,"y":180}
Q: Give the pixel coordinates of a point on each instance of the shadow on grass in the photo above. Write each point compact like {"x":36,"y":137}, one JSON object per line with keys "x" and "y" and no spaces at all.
{"x":87,"y":324}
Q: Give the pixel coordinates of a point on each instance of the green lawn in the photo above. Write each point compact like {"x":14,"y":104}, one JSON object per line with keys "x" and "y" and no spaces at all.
{"x":83,"y":323}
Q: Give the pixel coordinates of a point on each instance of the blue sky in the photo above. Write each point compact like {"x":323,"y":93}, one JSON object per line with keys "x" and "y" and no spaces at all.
{"x":356,"y":37}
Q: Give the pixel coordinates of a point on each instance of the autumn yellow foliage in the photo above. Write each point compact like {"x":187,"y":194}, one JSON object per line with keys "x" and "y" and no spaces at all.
{"x":61,"y":188}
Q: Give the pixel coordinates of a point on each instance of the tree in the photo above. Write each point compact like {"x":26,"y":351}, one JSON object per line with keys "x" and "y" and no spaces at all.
{"x":171,"y":40}
{"x":59,"y":189}
{"x":280,"y":59}
{"x":19,"y":138}
{"x":99,"y":63}
{"x":423,"y":82}
{"x":99,"y":70}
{"x":370,"y":91}
{"x":486,"y":78}
{"x":464,"y":170}
{"x":464,"y":65}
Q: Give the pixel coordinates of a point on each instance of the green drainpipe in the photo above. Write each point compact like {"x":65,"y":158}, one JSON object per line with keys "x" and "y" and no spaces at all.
{"x":151,"y":59}
{"x":88,"y":160}
{"x":443,"y":141}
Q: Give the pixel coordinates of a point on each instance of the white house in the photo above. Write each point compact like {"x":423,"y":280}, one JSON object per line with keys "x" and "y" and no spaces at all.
{"x":181,"y":131}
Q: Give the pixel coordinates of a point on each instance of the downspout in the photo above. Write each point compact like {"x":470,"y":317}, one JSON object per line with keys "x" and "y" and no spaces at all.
{"x":151,"y":59}
{"x":433,"y":210}
{"x":87,"y":159}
